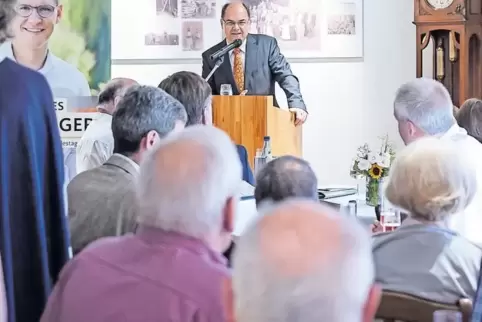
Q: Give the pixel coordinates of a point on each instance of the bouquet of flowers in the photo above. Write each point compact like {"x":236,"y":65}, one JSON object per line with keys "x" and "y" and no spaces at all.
{"x":374,"y":165}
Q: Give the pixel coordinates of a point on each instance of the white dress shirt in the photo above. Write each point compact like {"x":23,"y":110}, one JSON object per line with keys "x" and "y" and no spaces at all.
{"x":64,"y":79}
{"x":469,"y":222}
{"x":96,"y":145}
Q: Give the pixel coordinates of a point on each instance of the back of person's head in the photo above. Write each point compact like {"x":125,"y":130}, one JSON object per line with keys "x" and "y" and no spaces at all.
{"x":188,"y":183}
{"x":143,"y":116}
{"x":432,"y":179}
{"x":113,"y":92}
{"x":469,"y":117}
{"x":296,"y":263}
{"x":423,"y":107}
{"x":194,"y":93}
{"x":7,"y":13}
{"x":285,"y":177}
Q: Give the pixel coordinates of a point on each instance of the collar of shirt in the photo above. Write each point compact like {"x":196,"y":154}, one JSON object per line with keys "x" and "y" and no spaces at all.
{"x":454,"y":132}
{"x":242,"y":48}
{"x":8,"y":52}
{"x":135,"y":165}
{"x":413,"y":222}
{"x":153,"y":235}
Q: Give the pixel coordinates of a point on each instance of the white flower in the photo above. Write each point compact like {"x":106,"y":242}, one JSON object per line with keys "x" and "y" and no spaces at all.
{"x":364,"y":165}
{"x":385,"y":160}
{"x":372,"y":158}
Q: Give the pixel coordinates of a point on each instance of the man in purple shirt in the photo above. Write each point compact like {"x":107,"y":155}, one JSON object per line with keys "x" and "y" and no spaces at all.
{"x":172,"y":268}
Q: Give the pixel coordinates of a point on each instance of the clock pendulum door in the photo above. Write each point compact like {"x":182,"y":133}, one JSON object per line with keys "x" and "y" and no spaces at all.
{"x":454,"y":29}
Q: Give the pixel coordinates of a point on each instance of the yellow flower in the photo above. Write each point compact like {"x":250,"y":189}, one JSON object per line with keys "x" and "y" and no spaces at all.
{"x":375,"y":171}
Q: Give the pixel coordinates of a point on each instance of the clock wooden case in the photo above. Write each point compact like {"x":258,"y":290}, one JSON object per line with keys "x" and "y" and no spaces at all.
{"x":455,"y":28}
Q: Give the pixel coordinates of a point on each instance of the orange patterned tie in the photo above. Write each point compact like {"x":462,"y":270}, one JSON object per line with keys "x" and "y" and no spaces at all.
{"x":238,"y":71}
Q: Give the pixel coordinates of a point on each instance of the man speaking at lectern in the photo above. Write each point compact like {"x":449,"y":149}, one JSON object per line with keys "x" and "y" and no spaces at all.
{"x":253,"y":67}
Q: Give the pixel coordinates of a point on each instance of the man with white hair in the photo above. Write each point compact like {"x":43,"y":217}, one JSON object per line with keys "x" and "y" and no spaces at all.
{"x":296,"y":264}
{"x":172,"y":268}
{"x":423,"y":107}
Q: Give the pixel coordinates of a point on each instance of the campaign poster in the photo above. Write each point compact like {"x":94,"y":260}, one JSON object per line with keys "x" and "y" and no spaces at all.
{"x":69,"y":42}
{"x":82,"y":38}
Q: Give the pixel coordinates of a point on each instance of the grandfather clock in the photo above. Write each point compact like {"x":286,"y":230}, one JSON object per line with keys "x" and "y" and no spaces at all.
{"x":455,"y":27}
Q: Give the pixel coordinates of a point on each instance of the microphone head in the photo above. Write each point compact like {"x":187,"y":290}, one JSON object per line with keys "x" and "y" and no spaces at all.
{"x":237,"y":43}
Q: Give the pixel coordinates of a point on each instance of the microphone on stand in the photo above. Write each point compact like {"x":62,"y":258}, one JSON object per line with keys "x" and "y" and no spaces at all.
{"x":216,"y":66}
{"x":221,"y":52}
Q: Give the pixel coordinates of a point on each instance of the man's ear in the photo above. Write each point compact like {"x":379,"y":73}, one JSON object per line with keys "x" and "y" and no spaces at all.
{"x":229,"y":215}
{"x":227,"y":297}
{"x":151,"y":139}
{"x":372,"y":303}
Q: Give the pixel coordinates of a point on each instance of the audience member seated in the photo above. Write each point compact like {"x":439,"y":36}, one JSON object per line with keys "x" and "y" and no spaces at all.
{"x":302,"y":261}
{"x":172,"y":268}
{"x":196,"y":96}
{"x":432,"y":181}
{"x":282,"y":178}
{"x":97,"y":144}
{"x":469,"y":117}
{"x":101,"y":201}
{"x":286,"y":177}
{"x":423,"y":107}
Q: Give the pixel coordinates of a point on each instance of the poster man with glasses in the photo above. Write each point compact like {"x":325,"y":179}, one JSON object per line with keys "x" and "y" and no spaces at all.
{"x":37,"y":46}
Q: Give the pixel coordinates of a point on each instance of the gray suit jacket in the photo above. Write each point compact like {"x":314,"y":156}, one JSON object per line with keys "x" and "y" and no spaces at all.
{"x":101,"y":202}
{"x":264,"y":65}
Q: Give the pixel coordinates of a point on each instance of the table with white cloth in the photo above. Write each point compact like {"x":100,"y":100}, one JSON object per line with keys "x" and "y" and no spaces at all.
{"x":247,"y":212}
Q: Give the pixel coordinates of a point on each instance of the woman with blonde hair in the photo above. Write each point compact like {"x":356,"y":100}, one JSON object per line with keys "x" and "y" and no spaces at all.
{"x":433,"y":182}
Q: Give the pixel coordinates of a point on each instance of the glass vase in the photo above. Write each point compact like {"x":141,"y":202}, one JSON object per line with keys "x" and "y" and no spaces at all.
{"x":371,"y":196}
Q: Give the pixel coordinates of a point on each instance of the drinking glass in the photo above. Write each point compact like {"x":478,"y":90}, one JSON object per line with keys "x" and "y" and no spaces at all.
{"x":390,"y":219}
{"x":447,"y":316}
{"x":226,"y":90}
{"x":259,"y":160}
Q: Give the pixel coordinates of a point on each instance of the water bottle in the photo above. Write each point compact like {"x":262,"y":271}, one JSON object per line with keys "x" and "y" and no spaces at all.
{"x":266,"y":151}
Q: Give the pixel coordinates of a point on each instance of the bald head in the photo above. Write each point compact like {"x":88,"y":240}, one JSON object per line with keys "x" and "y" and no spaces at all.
{"x":288,"y":242}
{"x":187,"y":182}
{"x":113,"y":91}
{"x":296,"y":264}
{"x":286,"y":177}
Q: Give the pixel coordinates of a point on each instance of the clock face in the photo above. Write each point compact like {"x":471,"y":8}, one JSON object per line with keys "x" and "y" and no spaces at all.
{"x":440,"y":4}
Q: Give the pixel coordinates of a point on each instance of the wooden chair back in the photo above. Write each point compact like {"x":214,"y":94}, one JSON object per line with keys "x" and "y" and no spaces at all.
{"x":395,"y":306}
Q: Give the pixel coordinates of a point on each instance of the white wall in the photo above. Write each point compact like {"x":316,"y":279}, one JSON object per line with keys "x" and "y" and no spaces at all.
{"x":350,"y":103}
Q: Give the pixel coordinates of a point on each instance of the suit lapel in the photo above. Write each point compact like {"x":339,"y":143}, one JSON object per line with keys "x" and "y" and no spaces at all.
{"x":250,"y":61}
{"x":227,"y":70}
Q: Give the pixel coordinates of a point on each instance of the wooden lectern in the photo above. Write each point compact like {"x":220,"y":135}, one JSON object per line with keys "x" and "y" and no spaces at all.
{"x":248,"y":119}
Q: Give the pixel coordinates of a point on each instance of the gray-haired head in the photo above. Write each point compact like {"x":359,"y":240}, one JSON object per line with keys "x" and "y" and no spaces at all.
{"x":285,"y":177}
{"x":194,"y":93}
{"x":188,"y":183}
{"x":145,"y":113}
{"x":469,"y":117}
{"x":112,"y":93}
{"x":7,"y":13}
{"x":423,"y":107}
{"x":431,"y":179}
{"x":295,"y":263}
